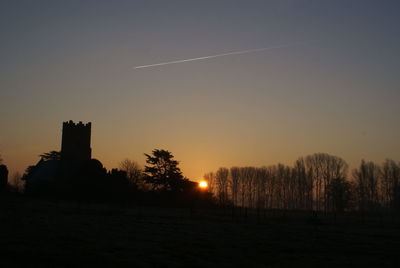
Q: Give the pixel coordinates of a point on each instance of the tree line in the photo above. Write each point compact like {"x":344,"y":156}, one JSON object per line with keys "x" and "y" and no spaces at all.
{"x":319,"y":182}
{"x":160,"y":181}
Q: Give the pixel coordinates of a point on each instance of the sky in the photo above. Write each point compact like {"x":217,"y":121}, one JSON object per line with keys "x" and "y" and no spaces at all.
{"x":333,"y":89}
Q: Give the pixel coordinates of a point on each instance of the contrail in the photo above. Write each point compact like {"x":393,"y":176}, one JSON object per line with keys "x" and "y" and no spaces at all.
{"x":218,"y":55}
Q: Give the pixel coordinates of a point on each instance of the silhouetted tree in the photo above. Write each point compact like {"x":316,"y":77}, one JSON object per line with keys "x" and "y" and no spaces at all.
{"x":52,"y":155}
{"x":134,"y":173}
{"x":162,"y":171}
{"x":210,"y":178}
{"x":323,"y":168}
{"x":260,"y":183}
{"x":304,"y":196}
{"x":3,"y":177}
{"x":117,"y":183}
{"x":235,"y":184}
{"x":316,"y":182}
{"x":366,"y":180}
{"x":222,"y":183}
{"x":16,"y":183}
{"x":42,"y":178}
{"x":28,"y":173}
{"x":390,"y":176}
{"x":340,"y":194}
{"x":90,"y":180}
{"x":283,"y":176}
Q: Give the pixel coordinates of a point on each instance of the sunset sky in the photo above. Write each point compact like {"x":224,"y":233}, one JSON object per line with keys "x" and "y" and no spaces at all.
{"x":336,"y":89}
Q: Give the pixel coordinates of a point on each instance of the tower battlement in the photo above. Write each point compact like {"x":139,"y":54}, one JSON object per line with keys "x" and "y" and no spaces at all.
{"x":75,"y":144}
{"x":71,"y":124}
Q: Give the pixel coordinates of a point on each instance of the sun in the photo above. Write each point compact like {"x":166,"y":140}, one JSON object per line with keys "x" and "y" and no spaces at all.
{"x":203,"y":185}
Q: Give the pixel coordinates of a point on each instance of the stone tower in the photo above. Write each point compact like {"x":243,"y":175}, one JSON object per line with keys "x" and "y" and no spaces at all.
{"x":75,"y":144}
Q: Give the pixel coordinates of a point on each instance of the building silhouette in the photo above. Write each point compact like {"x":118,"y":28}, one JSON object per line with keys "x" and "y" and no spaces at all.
{"x":74,"y":159}
{"x":75,"y":144}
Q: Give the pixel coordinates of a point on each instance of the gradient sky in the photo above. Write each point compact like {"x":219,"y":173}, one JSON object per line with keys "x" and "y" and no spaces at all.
{"x":73,"y":60}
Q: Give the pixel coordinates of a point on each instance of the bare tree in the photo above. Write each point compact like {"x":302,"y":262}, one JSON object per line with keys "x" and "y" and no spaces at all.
{"x":210,"y":178}
{"x":323,"y":168}
{"x":316,"y":182}
{"x":222,"y":183}
{"x":235,"y":183}
{"x":390,"y":191}
{"x":340,"y":194}
{"x":133,"y":171}
{"x":272,"y":187}
{"x":283,"y":176}
{"x":260,"y":187}
{"x":366,"y":179}
{"x":304,"y":183}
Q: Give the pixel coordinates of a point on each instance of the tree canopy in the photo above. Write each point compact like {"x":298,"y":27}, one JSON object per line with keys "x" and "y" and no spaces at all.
{"x":162,"y":171}
{"x":52,"y":155}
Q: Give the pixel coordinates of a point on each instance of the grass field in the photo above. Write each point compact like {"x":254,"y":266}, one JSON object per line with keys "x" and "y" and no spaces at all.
{"x":38,"y":233}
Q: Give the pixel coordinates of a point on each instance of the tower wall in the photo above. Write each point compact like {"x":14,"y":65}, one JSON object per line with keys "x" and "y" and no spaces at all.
{"x":75,"y":145}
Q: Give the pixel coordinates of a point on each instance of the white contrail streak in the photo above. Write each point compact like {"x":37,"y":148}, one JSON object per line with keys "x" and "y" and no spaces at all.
{"x":217,"y":55}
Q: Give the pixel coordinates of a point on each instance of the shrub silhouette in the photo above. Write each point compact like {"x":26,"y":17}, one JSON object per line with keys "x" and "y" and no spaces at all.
{"x":3,"y":177}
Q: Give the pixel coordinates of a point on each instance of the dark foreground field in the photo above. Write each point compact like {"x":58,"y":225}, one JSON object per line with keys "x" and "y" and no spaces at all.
{"x":60,"y":234}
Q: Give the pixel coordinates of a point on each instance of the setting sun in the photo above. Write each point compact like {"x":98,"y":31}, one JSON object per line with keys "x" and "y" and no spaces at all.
{"x":203,"y":185}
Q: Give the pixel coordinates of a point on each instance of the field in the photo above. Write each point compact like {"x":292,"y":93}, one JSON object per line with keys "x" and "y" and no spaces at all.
{"x":37,"y":233}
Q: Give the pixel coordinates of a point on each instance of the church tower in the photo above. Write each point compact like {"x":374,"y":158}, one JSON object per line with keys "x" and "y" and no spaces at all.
{"x":75,"y":144}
